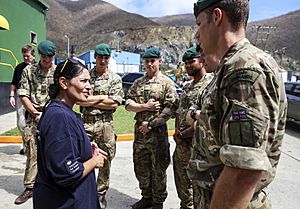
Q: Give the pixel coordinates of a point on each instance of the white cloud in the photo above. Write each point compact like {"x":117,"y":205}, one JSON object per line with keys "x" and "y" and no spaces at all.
{"x":156,"y":8}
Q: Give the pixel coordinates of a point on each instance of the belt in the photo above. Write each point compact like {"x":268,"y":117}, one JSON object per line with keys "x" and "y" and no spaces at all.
{"x":95,"y":118}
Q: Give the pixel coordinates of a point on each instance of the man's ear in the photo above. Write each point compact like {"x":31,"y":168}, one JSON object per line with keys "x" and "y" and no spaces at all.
{"x":217,"y":16}
{"x":63,"y":82}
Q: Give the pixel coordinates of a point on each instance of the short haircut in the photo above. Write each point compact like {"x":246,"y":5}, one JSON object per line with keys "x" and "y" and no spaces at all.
{"x":27,"y":48}
{"x":237,"y":12}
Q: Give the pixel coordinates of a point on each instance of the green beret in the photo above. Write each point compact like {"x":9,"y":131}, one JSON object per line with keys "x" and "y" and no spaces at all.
{"x":47,"y":48}
{"x":202,"y":5}
{"x":191,"y":53}
{"x":103,"y":50}
{"x":152,"y":53}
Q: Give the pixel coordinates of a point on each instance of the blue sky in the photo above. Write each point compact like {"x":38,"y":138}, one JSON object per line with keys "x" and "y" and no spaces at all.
{"x":259,"y":9}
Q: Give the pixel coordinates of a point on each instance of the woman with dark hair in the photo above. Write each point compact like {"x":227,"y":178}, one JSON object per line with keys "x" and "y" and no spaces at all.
{"x":66,"y":159}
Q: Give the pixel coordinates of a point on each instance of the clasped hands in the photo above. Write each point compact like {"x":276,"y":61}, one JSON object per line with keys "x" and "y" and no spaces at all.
{"x":99,"y":155}
{"x":153,"y":106}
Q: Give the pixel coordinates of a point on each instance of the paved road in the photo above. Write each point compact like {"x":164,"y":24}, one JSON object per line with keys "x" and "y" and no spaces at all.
{"x":124,"y":191}
{"x":8,"y":121}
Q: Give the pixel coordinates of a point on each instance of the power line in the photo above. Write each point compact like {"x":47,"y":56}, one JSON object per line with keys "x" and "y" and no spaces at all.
{"x":262,"y":35}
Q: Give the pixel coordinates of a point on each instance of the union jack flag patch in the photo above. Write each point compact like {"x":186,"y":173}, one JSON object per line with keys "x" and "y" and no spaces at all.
{"x":238,"y":115}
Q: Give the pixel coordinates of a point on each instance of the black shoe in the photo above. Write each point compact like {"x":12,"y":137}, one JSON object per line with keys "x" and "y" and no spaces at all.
{"x":24,"y":197}
{"x":103,"y":202}
{"x":157,"y":206}
{"x":22,"y":152}
{"x":143,"y":203}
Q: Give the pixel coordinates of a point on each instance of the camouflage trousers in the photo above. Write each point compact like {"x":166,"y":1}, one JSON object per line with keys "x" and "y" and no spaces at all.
{"x":31,"y":153}
{"x":21,"y":121}
{"x":102,"y":132}
{"x":202,"y":199}
{"x":151,"y":158}
{"x":183,"y":184}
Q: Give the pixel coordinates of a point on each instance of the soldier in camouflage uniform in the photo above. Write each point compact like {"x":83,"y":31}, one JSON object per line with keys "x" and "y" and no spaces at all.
{"x":98,"y":113}
{"x":153,"y":97}
{"x":33,"y":93}
{"x":242,"y":120}
{"x":194,"y":65}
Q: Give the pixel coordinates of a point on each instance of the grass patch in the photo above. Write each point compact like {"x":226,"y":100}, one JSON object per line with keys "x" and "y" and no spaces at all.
{"x":124,"y":122}
{"x":12,"y":132}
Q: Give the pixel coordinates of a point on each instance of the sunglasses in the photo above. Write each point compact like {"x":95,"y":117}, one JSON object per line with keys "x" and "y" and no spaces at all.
{"x":103,"y":57}
{"x":73,"y":61}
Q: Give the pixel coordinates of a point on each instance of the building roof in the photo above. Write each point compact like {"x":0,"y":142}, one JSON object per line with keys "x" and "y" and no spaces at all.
{"x":121,"y":57}
{"x":42,"y":3}
{"x":126,"y":58}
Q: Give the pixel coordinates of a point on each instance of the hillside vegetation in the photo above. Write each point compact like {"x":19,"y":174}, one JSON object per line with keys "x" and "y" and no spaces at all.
{"x":89,"y":22}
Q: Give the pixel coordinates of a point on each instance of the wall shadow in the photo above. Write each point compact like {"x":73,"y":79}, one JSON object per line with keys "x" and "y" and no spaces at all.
{"x":116,"y":199}
{"x":10,"y":149}
{"x":12,"y":184}
{"x":293,"y":128}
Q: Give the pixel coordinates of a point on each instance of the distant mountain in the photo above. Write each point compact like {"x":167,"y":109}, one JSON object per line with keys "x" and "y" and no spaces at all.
{"x":284,"y":33}
{"x":90,"y":22}
{"x":176,"y":20}
{"x":280,"y":34}
{"x":86,"y":22}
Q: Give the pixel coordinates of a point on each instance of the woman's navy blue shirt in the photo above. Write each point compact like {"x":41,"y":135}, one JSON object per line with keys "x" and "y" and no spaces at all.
{"x":62,"y":148}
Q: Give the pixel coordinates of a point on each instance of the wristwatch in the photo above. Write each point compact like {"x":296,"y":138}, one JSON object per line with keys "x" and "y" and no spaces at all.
{"x":149,"y":126}
{"x":193,"y":114}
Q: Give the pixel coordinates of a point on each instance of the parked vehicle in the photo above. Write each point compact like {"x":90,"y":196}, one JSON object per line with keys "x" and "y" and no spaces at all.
{"x":129,"y":78}
{"x":292,"y":90}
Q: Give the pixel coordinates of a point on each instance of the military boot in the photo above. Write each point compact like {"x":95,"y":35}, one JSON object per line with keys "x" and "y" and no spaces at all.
{"x":157,"y":206}
{"x":103,"y":202}
{"x":143,"y":203}
{"x":24,"y":196}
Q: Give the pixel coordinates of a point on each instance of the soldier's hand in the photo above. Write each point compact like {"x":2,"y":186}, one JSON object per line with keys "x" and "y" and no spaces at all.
{"x":153,"y":105}
{"x":37,"y":116}
{"x":177,"y":137}
{"x":144,"y":127}
{"x":12,"y":102}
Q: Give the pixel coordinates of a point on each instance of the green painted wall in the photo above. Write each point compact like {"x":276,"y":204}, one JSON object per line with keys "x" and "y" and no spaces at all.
{"x":24,"y":17}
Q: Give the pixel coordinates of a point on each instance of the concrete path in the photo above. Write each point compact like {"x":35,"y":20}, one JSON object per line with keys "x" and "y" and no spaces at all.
{"x":124,"y":191}
{"x":284,"y":190}
{"x":8,"y":121}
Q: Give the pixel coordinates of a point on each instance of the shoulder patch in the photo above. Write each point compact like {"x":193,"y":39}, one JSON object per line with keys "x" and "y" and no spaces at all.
{"x":248,"y":75}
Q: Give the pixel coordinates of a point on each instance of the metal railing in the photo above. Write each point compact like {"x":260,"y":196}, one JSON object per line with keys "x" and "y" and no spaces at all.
{"x":8,"y":65}
{"x":14,"y":57}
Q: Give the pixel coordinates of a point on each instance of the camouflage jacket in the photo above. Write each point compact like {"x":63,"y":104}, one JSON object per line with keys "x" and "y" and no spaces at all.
{"x":190,"y":96}
{"x":107,"y":84}
{"x":160,"y":88}
{"x":34,"y":84}
{"x":242,"y":117}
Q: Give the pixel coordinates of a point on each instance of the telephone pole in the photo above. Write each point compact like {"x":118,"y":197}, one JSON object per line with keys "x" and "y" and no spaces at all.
{"x":262,"y":35}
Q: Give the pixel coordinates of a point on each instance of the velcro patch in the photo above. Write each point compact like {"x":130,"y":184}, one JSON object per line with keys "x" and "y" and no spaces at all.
{"x":241,"y":133}
{"x":242,"y":75}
